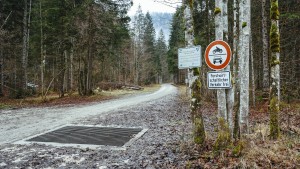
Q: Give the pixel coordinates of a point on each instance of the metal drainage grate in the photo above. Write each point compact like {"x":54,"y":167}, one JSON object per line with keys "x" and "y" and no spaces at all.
{"x":89,"y":135}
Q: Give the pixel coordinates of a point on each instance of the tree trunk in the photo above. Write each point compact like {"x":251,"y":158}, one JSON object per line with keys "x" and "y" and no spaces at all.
{"x":71,"y":64}
{"x":252,"y":71}
{"x":42,"y":53}
{"x":236,"y":75}
{"x":244,"y":65}
{"x":265,"y":50}
{"x":222,"y":110}
{"x":24,"y":46}
{"x":28,"y":35}
{"x":61,"y":76}
{"x":199,"y":131}
{"x":274,"y":97}
{"x":89,"y":59}
{"x":229,"y":92}
{"x":89,"y":68}
{"x":67,"y":72}
{"x":1,"y":73}
{"x":136,"y":71}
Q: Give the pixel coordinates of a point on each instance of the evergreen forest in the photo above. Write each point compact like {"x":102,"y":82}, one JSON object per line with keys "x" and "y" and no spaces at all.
{"x":82,"y":48}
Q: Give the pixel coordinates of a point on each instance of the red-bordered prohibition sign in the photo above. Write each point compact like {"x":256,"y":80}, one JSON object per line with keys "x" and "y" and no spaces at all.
{"x":217,"y":55}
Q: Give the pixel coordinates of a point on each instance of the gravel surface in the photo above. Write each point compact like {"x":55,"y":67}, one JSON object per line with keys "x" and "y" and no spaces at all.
{"x":163,"y":113}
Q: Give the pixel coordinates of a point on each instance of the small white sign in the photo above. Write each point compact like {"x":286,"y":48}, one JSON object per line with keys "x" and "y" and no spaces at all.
{"x":189,"y":57}
{"x":219,"y":80}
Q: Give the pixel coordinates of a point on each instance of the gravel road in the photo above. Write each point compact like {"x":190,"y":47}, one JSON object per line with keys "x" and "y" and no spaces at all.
{"x":163,"y":113}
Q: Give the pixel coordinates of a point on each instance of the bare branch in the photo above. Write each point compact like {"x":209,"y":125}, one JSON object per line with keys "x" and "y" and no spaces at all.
{"x":6,"y":20}
{"x":170,"y":3}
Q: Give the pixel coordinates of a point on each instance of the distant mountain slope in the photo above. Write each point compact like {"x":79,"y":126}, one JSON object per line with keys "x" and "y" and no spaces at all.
{"x":162,"y":21}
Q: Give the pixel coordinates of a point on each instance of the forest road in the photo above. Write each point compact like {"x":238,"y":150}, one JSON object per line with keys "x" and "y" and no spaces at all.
{"x":22,"y":123}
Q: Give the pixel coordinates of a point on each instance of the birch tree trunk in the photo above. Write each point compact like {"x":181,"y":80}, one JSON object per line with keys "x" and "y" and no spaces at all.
{"x":265,"y":48}
{"x":219,"y":36}
{"x":199,"y":131}
{"x":244,"y":65}
{"x":274,"y":97}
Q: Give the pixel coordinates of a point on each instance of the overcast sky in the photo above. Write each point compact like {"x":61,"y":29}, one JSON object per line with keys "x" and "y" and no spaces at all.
{"x":151,"y":6}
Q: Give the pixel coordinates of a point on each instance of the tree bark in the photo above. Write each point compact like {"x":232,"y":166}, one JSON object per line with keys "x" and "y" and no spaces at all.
{"x":265,"y":49}
{"x":24,"y":46}
{"x":199,"y":130}
{"x":229,"y":92}
{"x":42,"y":52}
{"x":71,"y":65}
{"x":28,"y":34}
{"x":236,"y":75}
{"x":252,"y":71}
{"x":274,"y":97}
{"x":222,"y":110}
{"x":244,"y":65}
{"x":1,"y":73}
{"x":61,"y":77}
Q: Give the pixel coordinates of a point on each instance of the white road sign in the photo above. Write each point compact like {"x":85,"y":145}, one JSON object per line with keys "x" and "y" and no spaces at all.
{"x":189,"y":57}
{"x":219,"y":80}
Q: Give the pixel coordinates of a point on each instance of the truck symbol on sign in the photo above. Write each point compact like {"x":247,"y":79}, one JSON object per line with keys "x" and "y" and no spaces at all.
{"x":219,"y":50}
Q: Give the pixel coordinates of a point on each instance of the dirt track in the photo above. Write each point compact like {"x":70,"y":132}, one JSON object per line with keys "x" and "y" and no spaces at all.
{"x":163,"y":113}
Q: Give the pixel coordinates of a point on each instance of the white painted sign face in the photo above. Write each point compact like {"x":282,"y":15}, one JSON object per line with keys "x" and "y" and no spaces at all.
{"x":219,"y":80}
{"x":189,"y":57}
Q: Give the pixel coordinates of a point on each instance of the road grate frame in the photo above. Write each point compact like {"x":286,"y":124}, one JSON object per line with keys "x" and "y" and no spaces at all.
{"x":87,"y":136}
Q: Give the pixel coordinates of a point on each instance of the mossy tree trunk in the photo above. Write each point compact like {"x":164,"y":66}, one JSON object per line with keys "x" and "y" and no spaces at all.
{"x":199,"y":131}
{"x":275,"y":78}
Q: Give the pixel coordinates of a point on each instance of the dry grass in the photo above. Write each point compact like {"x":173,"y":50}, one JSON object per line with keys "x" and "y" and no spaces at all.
{"x":283,"y":153}
{"x":53,"y":99}
{"x":118,"y":93}
{"x":258,"y":150}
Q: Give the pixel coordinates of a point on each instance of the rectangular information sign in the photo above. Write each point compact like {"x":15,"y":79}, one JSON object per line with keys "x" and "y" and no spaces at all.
{"x":219,"y":80}
{"x":189,"y":57}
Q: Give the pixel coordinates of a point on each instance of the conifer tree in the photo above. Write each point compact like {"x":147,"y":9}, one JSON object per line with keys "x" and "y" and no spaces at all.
{"x":148,"y":60}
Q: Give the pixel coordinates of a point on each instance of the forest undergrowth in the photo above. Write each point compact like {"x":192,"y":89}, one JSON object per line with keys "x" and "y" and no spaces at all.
{"x":255,"y":150}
